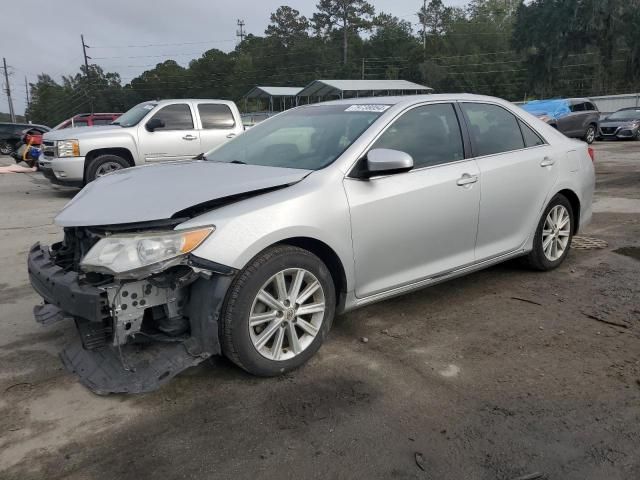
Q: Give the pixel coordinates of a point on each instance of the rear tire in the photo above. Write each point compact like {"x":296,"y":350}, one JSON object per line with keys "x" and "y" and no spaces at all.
{"x":103,"y":164}
{"x":273,"y":337}
{"x":552,"y":240}
{"x":590,"y":134}
{"x":5,"y":148}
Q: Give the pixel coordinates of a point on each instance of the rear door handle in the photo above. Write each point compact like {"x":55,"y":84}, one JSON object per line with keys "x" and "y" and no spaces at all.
{"x":189,"y":137}
{"x":467,"y":179}
{"x":547,"y":162}
{"x":231,"y":135}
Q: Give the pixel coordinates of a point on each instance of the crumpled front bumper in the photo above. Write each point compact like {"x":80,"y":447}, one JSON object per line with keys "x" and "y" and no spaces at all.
{"x":131,"y":368}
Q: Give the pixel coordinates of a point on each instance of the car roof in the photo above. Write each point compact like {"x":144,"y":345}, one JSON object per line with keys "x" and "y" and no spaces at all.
{"x":410,"y":99}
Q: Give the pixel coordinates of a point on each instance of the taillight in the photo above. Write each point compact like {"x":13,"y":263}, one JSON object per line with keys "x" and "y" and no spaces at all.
{"x":592,"y":154}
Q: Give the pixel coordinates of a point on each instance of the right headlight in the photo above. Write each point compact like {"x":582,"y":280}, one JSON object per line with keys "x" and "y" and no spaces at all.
{"x":68,"y":148}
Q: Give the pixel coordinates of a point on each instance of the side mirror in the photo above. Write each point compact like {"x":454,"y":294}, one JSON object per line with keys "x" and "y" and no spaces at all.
{"x":154,"y":124}
{"x":384,"y":161}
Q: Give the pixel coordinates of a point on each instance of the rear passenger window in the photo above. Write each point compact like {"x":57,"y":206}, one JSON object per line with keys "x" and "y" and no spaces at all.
{"x":175,"y":117}
{"x":578,"y":107}
{"x":216,"y":116}
{"x":81,"y":123}
{"x":102,"y":121}
{"x":531,"y":138}
{"x":492,"y":129}
{"x":430,"y":134}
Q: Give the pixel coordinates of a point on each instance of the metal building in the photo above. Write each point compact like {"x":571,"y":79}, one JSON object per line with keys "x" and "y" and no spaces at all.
{"x":278,"y":98}
{"x":320,"y":90}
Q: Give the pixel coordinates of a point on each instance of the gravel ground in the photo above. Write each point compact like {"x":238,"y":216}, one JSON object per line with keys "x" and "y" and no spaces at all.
{"x":498,"y":375}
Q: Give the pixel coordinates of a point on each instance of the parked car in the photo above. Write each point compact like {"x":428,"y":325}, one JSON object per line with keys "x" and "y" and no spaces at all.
{"x":575,"y":117}
{"x":623,"y":124}
{"x":322,"y":209}
{"x":252,"y":119}
{"x":88,"y":120}
{"x":150,"y":132}
{"x":12,"y":133}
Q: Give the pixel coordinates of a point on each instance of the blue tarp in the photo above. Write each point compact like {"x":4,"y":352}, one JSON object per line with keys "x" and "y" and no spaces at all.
{"x":554,"y":108}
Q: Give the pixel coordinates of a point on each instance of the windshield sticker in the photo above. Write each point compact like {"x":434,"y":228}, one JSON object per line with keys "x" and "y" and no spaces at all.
{"x":368,"y":108}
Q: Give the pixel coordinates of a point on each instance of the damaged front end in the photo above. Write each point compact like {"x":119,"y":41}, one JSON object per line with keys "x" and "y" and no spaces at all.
{"x":138,"y":327}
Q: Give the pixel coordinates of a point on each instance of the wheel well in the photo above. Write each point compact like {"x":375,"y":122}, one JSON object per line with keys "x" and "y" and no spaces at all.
{"x":330,"y":259}
{"x":121,"y":152}
{"x":575,"y":206}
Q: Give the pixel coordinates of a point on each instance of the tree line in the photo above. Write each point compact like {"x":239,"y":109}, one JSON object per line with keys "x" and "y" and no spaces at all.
{"x":513,"y":49}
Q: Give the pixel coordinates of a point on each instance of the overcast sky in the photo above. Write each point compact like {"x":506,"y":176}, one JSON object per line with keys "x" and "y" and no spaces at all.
{"x":47,"y":39}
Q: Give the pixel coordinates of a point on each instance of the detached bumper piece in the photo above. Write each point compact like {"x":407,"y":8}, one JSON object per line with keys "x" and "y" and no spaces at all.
{"x":106,"y":362}
{"x":130,"y":369}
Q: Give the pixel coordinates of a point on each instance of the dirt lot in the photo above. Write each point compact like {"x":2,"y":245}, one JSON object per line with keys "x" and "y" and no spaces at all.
{"x":500,"y":374}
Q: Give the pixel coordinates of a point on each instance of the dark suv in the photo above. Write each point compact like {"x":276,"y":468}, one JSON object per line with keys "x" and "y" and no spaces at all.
{"x":575,"y":117}
{"x":11,"y":134}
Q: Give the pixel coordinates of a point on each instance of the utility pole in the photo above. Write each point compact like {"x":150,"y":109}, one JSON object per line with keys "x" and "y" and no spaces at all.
{"x":86,"y":69}
{"x":362,"y":68}
{"x":26,"y":91}
{"x":8,"y":90}
{"x":240,"y":32}
{"x":424,"y":24}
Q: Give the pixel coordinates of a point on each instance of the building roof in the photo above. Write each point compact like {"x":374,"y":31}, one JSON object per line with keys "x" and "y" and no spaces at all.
{"x":323,"y":88}
{"x":262,"y":92}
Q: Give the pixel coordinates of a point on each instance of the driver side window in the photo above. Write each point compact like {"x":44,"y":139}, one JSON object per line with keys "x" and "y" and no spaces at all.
{"x":175,"y":117}
{"x":430,"y":134}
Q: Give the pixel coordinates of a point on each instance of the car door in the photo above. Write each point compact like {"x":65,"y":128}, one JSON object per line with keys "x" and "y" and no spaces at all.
{"x":410,"y":226}
{"x":217,"y":125}
{"x":517,"y":172}
{"x":178,"y":139}
{"x":571,"y":124}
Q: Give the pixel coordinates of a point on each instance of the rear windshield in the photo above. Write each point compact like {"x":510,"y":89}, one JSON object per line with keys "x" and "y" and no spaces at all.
{"x":310,"y":137}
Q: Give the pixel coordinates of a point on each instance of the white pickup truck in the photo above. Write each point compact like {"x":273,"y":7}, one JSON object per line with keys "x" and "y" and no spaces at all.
{"x":150,"y":132}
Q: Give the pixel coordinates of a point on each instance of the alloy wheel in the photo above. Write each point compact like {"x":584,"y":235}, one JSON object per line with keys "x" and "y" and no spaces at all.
{"x":107,"y":167}
{"x":591,"y":134}
{"x":286,"y":314}
{"x":556,"y":232}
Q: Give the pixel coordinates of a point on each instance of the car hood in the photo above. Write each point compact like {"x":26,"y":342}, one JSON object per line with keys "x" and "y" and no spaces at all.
{"x":616,"y":123}
{"x":77,"y":133}
{"x":159,"y":192}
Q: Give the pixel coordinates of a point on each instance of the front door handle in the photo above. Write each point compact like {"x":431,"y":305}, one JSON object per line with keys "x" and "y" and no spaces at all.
{"x":547,"y":162}
{"x":189,"y":137}
{"x":466,"y":179}
{"x":231,"y":135}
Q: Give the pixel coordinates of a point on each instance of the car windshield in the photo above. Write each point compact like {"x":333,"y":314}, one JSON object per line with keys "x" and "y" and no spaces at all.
{"x":133,"y":116}
{"x":309,"y":137}
{"x":627,"y":115}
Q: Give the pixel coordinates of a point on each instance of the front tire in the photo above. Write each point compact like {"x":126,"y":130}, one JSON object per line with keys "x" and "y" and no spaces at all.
{"x":552,"y":240}
{"x":278,"y":311}
{"x":104,"y":164}
{"x":590,"y":134}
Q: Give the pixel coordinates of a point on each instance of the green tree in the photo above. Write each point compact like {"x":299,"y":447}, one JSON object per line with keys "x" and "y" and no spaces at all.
{"x":347,"y":16}
{"x":287,"y":25}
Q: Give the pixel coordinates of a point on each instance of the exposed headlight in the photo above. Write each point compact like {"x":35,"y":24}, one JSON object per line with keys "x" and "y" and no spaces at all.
{"x":142,"y":254}
{"x":68,"y":148}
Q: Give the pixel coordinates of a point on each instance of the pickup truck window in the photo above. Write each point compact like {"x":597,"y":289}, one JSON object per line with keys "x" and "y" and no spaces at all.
{"x":215,"y":116}
{"x":175,"y":117}
{"x":134,"y":115}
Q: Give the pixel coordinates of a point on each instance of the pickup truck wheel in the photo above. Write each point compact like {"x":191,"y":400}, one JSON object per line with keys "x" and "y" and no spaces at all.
{"x":278,"y":311}
{"x":103,"y":164}
{"x":590,"y":134}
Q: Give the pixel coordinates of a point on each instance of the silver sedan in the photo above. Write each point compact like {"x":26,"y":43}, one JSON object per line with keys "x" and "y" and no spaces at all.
{"x":316,"y":211}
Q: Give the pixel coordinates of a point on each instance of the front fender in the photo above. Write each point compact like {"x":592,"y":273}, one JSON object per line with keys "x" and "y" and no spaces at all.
{"x":314,"y":208}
